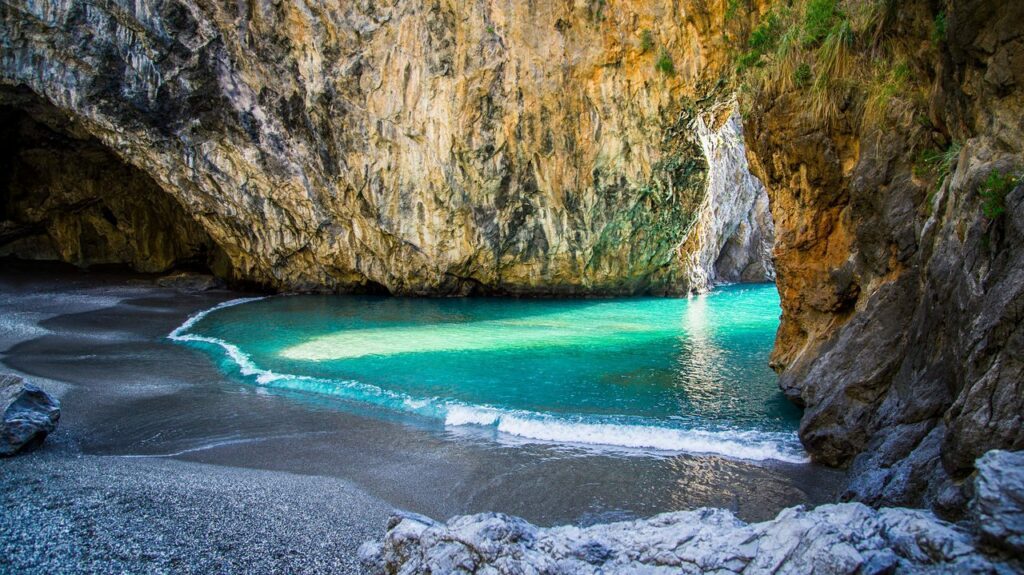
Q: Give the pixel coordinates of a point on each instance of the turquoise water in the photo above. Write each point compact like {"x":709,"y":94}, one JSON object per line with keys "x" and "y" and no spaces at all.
{"x":654,"y":375}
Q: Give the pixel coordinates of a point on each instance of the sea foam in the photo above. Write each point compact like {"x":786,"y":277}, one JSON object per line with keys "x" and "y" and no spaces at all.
{"x":739,"y":444}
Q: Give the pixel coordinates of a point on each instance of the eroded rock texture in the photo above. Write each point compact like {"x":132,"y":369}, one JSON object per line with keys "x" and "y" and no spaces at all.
{"x":428,"y":147}
{"x":997,"y":505}
{"x":841,"y":538}
{"x":903,"y":306}
{"x":733,"y":235}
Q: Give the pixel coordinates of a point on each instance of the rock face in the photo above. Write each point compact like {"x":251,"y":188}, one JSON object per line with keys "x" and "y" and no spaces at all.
{"x":732,"y":238}
{"x":28,"y":413}
{"x":902,"y":297}
{"x":428,"y":148}
{"x":841,"y":538}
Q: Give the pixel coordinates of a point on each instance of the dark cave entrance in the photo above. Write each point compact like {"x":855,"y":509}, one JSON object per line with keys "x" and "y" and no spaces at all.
{"x":65,"y":196}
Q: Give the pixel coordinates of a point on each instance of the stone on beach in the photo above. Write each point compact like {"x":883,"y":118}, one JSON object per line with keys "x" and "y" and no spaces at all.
{"x":29,"y":415}
{"x":998,"y":503}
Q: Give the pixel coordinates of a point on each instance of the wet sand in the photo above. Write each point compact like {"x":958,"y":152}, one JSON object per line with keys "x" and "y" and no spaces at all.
{"x":145,"y":407}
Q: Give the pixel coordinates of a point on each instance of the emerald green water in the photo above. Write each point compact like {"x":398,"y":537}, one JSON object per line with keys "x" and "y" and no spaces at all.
{"x":662,"y":375}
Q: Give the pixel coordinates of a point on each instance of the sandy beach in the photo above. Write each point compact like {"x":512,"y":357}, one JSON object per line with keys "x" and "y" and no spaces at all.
{"x":162,"y":463}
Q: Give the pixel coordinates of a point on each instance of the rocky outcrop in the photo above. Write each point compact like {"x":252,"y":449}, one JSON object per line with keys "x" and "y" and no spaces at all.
{"x":902,"y":287}
{"x":28,"y":413}
{"x":427,"y":148}
{"x":190,"y":282}
{"x":841,"y":538}
{"x":998,"y":502}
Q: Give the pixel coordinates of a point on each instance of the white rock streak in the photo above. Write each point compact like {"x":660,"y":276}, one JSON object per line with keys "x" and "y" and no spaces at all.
{"x":734,"y":233}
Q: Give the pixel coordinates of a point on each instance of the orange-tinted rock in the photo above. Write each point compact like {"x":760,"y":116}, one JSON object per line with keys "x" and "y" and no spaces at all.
{"x":429,"y":148}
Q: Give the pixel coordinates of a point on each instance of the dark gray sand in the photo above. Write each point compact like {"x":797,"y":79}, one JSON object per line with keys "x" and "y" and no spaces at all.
{"x":164,"y":464}
{"x":91,"y":514}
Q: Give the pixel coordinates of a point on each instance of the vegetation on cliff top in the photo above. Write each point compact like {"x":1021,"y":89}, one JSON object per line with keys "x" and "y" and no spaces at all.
{"x":839,"y":52}
{"x":862,"y":66}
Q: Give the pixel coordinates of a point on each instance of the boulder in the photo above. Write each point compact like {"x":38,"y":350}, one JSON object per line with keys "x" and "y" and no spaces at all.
{"x":998,"y":503}
{"x":190,"y":282}
{"x":29,"y":415}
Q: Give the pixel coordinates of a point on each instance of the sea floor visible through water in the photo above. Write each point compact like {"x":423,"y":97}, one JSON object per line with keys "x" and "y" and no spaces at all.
{"x":99,"y":341}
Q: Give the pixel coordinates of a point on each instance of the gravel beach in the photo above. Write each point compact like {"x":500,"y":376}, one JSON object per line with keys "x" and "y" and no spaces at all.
{"x":66,"y":513}
{"x":65,"y":510}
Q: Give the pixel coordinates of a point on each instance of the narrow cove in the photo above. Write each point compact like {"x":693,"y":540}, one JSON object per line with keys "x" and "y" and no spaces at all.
{"x":658,"y":286}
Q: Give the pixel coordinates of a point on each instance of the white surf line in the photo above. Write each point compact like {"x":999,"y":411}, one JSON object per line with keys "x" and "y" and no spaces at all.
{"x":241,"y":359}
{"x":530,"y":426}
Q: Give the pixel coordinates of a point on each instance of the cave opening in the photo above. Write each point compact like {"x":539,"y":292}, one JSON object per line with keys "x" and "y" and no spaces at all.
{"x":67,"y":197}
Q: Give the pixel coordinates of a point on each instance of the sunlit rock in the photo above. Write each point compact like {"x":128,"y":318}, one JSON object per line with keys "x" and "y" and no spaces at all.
{"x":445,"y":148}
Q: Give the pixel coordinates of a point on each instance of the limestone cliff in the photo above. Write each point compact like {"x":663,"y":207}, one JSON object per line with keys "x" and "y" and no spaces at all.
{"x":732,"y":237}
{"x":427,"y":147}
{"x":898,"y":247}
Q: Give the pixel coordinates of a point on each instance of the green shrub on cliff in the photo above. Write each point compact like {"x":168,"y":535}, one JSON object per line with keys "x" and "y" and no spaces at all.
{"x":889,"y":83}
{"x":819,"y":20}
{"x":664,"y":63}
{"x":646,"y":41}
{"x":938,"y":164}
{"x":732,"y":8}
{"x":939,"y":27}
{"x":763,"y":39}
{"x":803,"y":75}
{"x":993,"y":193}
{"x":850,"y":54}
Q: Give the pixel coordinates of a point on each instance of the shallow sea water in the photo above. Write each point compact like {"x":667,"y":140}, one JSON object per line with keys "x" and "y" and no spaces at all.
{"x":656,"y":374}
